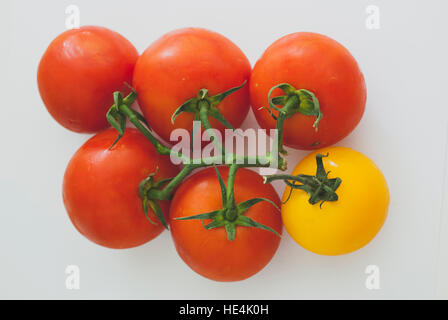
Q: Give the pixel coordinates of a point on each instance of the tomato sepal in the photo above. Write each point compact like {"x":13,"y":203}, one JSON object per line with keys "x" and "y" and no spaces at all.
{"x":248,"y":222}
{"x":244,"y":206}
{"x":117,"y":119}
{"x":203,"y":99}
{"x":201,"y":216}
{"x":294,"y":101}
{"x":146,"y":210}
{"x":144,"y":188}
{"x":231,"y":214}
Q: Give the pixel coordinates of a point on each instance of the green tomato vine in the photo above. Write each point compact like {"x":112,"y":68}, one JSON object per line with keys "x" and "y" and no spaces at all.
{"x":204,"y":106}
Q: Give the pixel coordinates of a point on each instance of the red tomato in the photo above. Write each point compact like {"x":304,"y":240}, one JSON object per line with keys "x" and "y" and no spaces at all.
{"x":209,"y":252}
{"x":79,"y":72}
{"x":174,"y":68}
{"x":100,"y":189}
{"x":321,"y":65}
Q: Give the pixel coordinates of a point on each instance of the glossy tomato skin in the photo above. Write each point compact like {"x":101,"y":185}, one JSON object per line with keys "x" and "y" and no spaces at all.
{"x":321,"y":65}
{"x":100,"y":189}
{"x":208,"y":252}
{"x":353,"y":220}
{"x":79,"y":72}
{"x":175,"y":67}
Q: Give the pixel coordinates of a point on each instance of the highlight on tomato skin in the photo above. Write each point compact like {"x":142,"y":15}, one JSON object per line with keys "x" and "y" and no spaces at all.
{"x":174,"y":68}
{"x":209,"y":252}
{"x":348,"y":223}
{"x":321,"y":65}
{"x":100,"y":189}
{"x":79,"y":72}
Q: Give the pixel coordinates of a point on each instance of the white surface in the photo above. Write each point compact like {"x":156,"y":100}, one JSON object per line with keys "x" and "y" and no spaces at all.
{"x":442,"y":274}
{"x":404,"y":130}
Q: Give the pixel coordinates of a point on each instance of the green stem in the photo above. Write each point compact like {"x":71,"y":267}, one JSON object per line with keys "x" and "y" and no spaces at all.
{"x":244,"y":161}
{"x":203,"y":116}
{"x":231,"y":215}
{"x":165,"y":193}
{"x":279,"y":127}
{"x":236,"y":160}
{"x":230,"y":183}
{"x":230,"y":208}
{"x":273,"y":177}
{"x":284,"y":113}
{"x":160,"y":148}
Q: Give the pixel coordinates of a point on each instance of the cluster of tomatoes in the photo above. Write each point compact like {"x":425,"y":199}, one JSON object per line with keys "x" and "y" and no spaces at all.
{"x":82,"y":68}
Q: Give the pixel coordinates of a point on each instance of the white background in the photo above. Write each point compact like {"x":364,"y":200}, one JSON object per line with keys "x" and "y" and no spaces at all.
{"x":404,"y":130}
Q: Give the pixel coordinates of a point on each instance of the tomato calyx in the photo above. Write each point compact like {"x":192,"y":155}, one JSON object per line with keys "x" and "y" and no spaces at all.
{"x":116,"y":117}
{"x":319,"y":187}
{"x":208,"y":104}
{"x":144,"y":189}
{"x":231,"y":214}
{"x":294,"y":101}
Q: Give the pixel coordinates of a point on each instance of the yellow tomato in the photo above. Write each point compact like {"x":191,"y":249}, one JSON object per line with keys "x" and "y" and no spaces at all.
{"x":348,"y":223}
